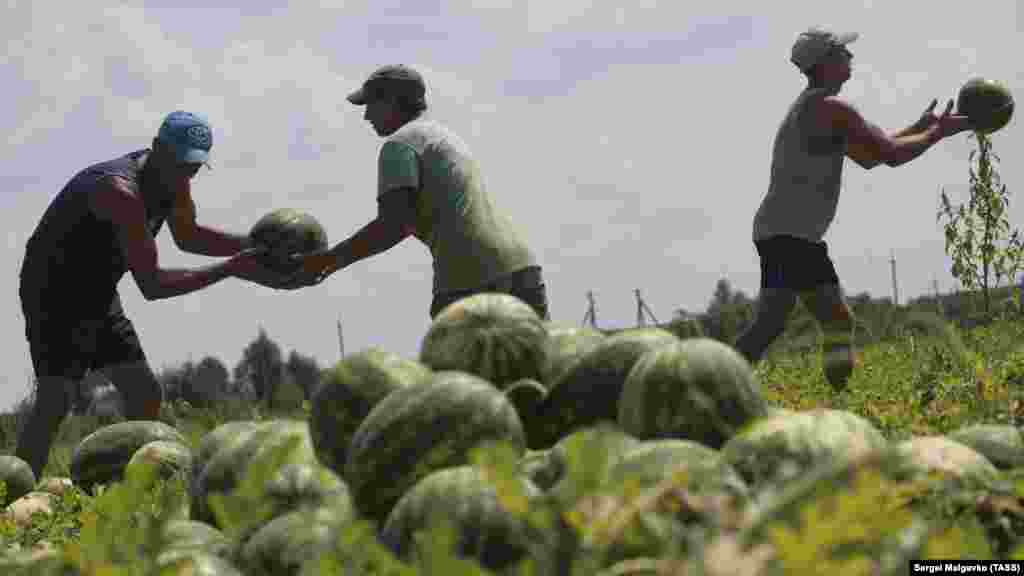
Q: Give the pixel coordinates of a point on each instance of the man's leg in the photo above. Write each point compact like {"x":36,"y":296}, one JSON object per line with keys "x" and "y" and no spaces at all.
{"x":122,"y":361}
{"x":833,"y":313}
{"x":52,"y":402}
{"x":774,"y":306}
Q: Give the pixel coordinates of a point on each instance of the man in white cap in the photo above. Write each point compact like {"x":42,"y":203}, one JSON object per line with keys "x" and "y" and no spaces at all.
{"x":430,"y":186}
{"x":100,"y":225}
{"x":819,"y":130}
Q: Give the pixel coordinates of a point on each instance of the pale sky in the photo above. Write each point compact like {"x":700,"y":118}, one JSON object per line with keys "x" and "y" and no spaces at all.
{"x":630,"y":145}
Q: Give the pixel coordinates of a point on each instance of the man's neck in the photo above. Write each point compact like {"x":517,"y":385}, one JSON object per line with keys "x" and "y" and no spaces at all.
{"x":830,"y":89}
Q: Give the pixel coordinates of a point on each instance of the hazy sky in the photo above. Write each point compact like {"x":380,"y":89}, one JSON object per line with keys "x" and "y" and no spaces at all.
{"x":631,"y":145}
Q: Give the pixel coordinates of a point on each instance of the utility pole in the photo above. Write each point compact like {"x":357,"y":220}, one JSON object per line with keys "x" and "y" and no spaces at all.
{"x":895,"y":287}
{"x":938,"y":299}
{"x":341,"y":340}
{"x":591,"y":315}
{"x":642,"y":310}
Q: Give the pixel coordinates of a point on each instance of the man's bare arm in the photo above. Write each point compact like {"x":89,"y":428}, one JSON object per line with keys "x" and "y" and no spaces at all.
{"x":118,"y":204}
{"x":190,"y":236}
{"x":394,"y":223}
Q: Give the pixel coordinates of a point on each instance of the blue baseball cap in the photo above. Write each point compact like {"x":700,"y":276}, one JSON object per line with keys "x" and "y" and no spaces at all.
{"x":189,"y":135}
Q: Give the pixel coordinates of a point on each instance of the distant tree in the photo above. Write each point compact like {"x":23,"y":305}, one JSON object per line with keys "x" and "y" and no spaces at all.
{"x":729,"y":313}
{"x":304,"y":372}
{"x":984,"y":248}
{"x":261,"y":367}
{"x":209,"y":382}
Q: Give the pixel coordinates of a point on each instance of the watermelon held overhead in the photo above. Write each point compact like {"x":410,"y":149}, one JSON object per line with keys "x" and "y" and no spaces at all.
{"x":286,"y":232}
{"x":987,"y":103}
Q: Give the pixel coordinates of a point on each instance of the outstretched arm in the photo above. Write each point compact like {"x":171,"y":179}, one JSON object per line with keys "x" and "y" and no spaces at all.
{"x":394,"y":223}
{"x":196,"y":238}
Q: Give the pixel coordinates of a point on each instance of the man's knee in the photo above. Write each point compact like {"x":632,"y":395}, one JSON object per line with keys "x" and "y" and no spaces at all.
{"x":140,"y":391}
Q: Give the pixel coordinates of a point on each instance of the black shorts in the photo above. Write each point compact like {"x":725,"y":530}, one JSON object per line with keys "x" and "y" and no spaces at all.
{"x":68,"y":342}
{"x":526,"y":284}
{"x":795,"y":264}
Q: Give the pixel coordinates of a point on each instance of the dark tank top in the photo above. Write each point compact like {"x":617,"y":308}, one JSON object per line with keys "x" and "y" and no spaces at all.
{"x":75,"y":258}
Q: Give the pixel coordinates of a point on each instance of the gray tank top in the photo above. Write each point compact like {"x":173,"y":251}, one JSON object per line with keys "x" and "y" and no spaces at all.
{"x":806,"y":173}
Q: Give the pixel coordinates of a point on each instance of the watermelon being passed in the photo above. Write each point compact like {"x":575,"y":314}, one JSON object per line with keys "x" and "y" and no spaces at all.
{"x":286,"y":232}
{"x":987,"y":103}
{"x":497,"y":337}
{"x":347,"y":394}
{"x":697,"y":389}
{"x":419,"y":429}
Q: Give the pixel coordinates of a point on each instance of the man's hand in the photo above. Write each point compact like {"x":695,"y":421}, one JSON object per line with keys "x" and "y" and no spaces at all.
{"x":950,"y":124}
{"x":314,"y":268}
{"x":250,"y":265}
{"x":927,"y":119}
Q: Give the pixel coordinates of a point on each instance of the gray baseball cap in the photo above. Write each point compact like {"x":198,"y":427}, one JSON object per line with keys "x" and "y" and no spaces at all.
{"x":813,"y":44}
{"x":393,"y":79}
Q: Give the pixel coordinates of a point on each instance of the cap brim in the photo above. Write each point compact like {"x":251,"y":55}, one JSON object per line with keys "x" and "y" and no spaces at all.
{"x":358,"y":97}
{"x":846,"y":38}
{"x":194,"y":156}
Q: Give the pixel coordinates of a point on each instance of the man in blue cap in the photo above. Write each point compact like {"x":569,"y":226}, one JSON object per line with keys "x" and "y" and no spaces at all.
{"x":101,"y":225}
{"x":818,"y":132}
{"x":430,"y":186}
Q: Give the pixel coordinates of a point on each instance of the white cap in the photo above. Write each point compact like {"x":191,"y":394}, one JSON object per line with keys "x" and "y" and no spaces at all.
{"x":813,"y":44}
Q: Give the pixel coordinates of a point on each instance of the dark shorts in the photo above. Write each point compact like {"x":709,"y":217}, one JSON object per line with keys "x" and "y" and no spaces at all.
{"x":526,"y":284}
{"x":68,"y":342}
{"x":795,"y":264}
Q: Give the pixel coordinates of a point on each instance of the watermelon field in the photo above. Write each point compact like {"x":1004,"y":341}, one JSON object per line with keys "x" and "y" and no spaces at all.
{"x":516,"y":446}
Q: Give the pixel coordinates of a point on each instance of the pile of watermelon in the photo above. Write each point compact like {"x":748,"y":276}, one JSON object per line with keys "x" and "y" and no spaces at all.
{"x":516,"y":443}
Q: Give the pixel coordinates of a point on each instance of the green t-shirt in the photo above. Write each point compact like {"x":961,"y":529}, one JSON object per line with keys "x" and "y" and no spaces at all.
{"x":471,"y":243}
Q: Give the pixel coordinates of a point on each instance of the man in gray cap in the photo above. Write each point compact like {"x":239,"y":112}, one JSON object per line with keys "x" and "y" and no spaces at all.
{"x":819,"y":130}
{"x":429,"y":186}
{"x":100,"y":225}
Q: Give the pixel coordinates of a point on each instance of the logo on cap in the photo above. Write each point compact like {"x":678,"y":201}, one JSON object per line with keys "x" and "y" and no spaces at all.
{"x":199,"y":136}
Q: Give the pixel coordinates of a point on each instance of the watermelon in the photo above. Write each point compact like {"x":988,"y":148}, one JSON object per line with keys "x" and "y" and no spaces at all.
{"x":464,"y":498}
{"x":307,"y":486}
{"x":195,"y":563}
{"x":497,"y":337}
{"x":653,"y":461}
{"x":168,"y":458}
{"x":697,"y":389}
{"x":541,"y":468}
{"x":209,"y":445}
{"x":420,"y":429}
{"x":347,"y":394}
{"x":17,"y":476}
{"x":776,"y":449}
{"x":938,"y":454}
{"x":987,"y":103}
{"x":564,"y":346}
{"x":286,"y":232}
{"x":527,"y":397}
{"x":192,"y":535}
{"x":582,"y":460}
{"x":588,"y":392}
{"x":1002,"y":444}
{"x":284,"y":544}
{"x":100,"y":457}
{"x":226,"y":469}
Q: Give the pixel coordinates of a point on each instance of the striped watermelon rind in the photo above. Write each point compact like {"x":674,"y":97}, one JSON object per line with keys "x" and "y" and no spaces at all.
{"x":420,"y":429}
{"x":464,"y":497}
{"x":287,"y":542}
{"x":101,"y":457}
{"x":168,"y":458}
{"x":17,"y":476}
{"x":697,"y":389}
{"x":776,"y":449}
{"x":598,"y":377}
{"x":497,"y":337}
{"x":565,"y":344}
{"x":347,"y":394}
